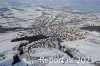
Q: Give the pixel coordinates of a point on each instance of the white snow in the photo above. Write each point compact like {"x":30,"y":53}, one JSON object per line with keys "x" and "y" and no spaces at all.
{"x":87,"y":48}
{"x":5,"y":41}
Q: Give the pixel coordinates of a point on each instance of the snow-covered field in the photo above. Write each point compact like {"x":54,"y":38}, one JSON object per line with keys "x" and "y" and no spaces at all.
{"x":63,"y":29}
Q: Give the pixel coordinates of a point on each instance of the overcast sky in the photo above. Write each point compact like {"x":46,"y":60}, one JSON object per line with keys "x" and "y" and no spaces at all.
{"x":87,"y":5}
{"x":49,"y":2}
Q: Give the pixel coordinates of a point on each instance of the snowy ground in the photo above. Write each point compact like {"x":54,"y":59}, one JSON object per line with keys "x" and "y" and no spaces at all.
{"x":89,"y":47}
{"x":56,"y":21}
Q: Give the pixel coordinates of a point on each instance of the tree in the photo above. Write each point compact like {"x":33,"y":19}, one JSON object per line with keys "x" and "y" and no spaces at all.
{"x":15,"y":59}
